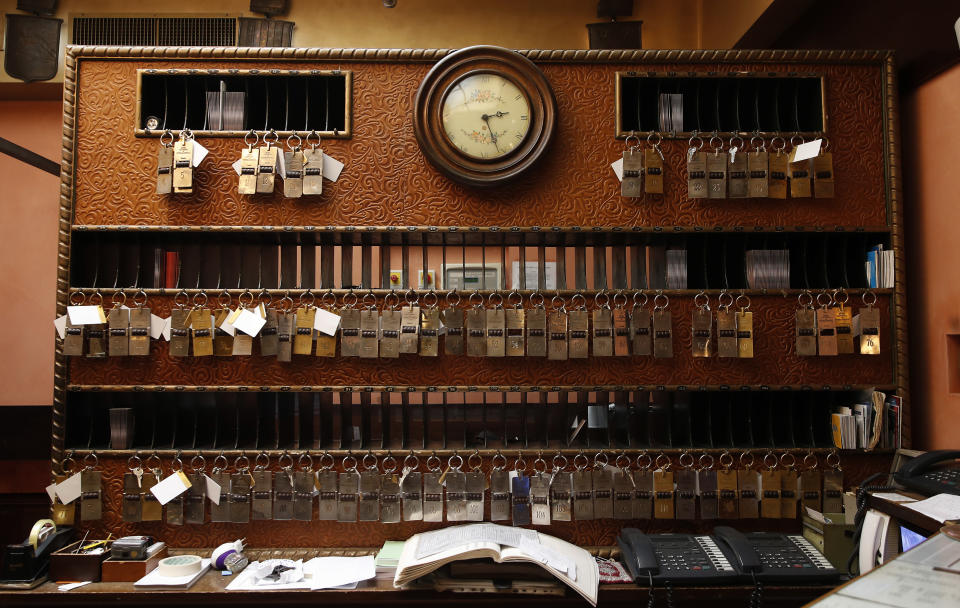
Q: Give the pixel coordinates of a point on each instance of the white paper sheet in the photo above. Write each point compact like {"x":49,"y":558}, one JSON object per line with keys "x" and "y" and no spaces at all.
{"x":326,"y":322}
{"x":213,"y":489}
{"x":61,"y":324}
{"x":893,"y":497}
{"x":69,"y":586}
{"x":86,"y":315}
{"x":617,"y":167}
{"x":940,"y":507}
{"x":332,"y":572}
{"x":171,"y":487}
{"x":69,"y":490}
{"x":457,"y":536}
{"x":249,"y":322}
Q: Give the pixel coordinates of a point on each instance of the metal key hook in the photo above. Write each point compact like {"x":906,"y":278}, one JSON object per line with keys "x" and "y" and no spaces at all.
{"x":636,"y":299}
{"x":326,"y":461}
{"x":166,"y":138}
{"x":246,"y":139}
{"x":456,"y":458}
{"x":411,"y":461}
{"x":433,"y":463}
{"x":656,"y":300}
{"x":198,"y":463}
{"x":295,"y":147}
{"x":220,"y":462}
{"x":370,"y":461}
{"x":605,"y":302}
{"x":305,"y":462}
{"x":498,"y":462}
{"x":475,"y":461}
{"x":626,"y":142}
{"x":537,"y":300}
{"x":704,"y":303}
{"x":313,"y":146}
{"x":389,"y":463}
{"x":262,"y":461}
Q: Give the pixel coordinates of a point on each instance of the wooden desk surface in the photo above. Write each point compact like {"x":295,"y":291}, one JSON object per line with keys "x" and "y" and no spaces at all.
{"x":209,"y":590}
{"x":904,"y":514}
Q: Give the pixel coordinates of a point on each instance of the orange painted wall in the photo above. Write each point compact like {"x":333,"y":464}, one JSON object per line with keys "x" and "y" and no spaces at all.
{"x":930,"y":126}
{"x":29,"y":200}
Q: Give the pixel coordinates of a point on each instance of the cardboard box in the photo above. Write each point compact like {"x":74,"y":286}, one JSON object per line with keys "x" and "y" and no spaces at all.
{"x":130,"y":570}
{"x":67,"y":566}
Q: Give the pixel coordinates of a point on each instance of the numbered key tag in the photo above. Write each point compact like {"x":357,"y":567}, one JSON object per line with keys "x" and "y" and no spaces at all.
{"x":180,"y":326}
{"x":350,"y":327}
{"x":623,"y":488}
{"x":267,"y":164}
{"x":749,"y":490}
{"x":349,"y":487}
{"x":286,"y":331}
{"x":496,"y":326}
{"x":175,"y":506}
{"x":696,"y":169}
{"x":737,"y":178}
{"x":306,"y":318}
{"x":201,"y":326}
{"x":811,"y":483}
{"x":476,"y":488}
{"x":283,"y":490}
{"x":560,"y":490}
{"x":411,"y":489}
{"x":515,"y":326}
{"x":249,"y":162}
{"x":430,"y":326}
{"x":707,"y":488}
{"x":131,"y":506}
{"x":602,"y":326}
{"x":771,"y":482}
{"x":582,"y":480}
{"x":758,"y":166}
{"x":96,"y":333}
{"x":327,"y":323}
{"x":140,"y":326}
{"x":328,"y":487}
{"x":662,"y":327}
{"x":640,"y":326}
{"x":826,"y":326}
{"x":183,"y":163}
{"x":643,"y":488}
{"x":716,"y":170}
{"x":476,"y":327}
{"x":788,"y":486}
{"x":777,"y":171}
{"x":243,"y":342}
{"x":499,"y":490}
{"x":150,"y":507}
{"x":73,"y":340}
{"x":686,"y":493}
{"x":632,"y":183}
{"x":410,"y":324}
{"x":843,"y":319}
{"x":241,"y":484}
{"x":806,"y":326}
{"x":194,"y":507}
{"x":578,"y":322}
{"x":293,"y":168}
{"x":867,"y":325}
{"x":118,"y":325}
{"x":663,"y":489}
{"x":602,"y":487}
{"x":536,"y":327}
{"x":220,"y":511}
{"x":391,"y":321}
{"x":165,"y":163}
{"x":823,"y":172}
{"x":63,"y":515}
{"x":744,"y":328}
{"x":368,"y":508}
{"x":727,"y":485}
{"x":798,"y":172}
{"x":262,"y":498}
{"x":304,"y":487}
{"x":653,"y":162}
{"x":726,"y":328}
{"x":432,"y":491}
{"x":452,"y":318}
{"x":702,"y":326}
{"x":390,"y":512}
{"x":557,"y":331}
{"x":313,"y":167}
{"x":540,"y":498}
{"x":455,"y":483}
{"x":833,"y":485}
{"x":520,"y":494}
{"x":621,"y":326}
{"x":269,"y":340}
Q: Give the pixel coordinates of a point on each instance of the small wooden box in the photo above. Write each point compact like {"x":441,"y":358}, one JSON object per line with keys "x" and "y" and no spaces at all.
{"x":67,"y":566}
{"x":130,"y":570}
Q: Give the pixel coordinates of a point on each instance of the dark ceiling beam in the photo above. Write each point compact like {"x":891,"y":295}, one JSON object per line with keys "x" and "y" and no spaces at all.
{"x":772,"y":23}
{"x":31,"y":158}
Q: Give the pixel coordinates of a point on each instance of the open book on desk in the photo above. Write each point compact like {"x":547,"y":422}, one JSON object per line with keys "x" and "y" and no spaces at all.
{"x":423,"y":553}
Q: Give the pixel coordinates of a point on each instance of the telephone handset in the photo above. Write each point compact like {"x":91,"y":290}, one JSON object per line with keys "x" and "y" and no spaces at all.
{"x":674,"y":558}
{"x":774,"y":557}
{"x":934,"y":472}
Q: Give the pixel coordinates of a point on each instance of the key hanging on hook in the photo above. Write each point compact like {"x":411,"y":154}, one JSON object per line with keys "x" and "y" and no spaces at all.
{"x":249,"y":164}
{"x":632,"y":183}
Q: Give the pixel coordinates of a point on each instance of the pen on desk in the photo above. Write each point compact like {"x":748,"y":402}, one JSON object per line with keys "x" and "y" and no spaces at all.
{"x":82,"y":541}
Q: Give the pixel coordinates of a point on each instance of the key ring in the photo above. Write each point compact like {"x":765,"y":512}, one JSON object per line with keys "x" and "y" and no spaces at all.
{"x":686,"y":460}
{"x":352,"y":303}
{"x":809,"y":301}
{"x":217,"y":467}
{"x":433,"y":463}
{"x":699,"y":139}
{"x":306,"y":140}
{"x":389,"y":463}
{"x":134,"y":463}
{"x":761,"y":148}
{"x":411,"y":296}
{"x":459,"y":460}
{"x":326,"y":461}
{"x":663,"y":462}
{"x":744,"y":297}
{"x":450,"y":301}
{"x":168,"y":143}
{"x":236,"y":463}
{"x":197,"y":303}
{"x":636,"y":296}
{"x":286,"y":302}
{"x":600,"y":460}
{"x":519,"y":302}
{"x":395,"y":300}
{"x":539,"y":302}
{"x":118,"y":298}
{"x":313,"y":299}
{"x":656,"y":298}
{"x":806,"y":461}
{"x":726,"y":460}
{"x":499,"y":297}
{"x":770,"y":460}
{"x":833,"y":460}
{"x":411,"y":461}
{"x":606,"y":300}
{"x":783,"y":460}
{"x":626,"y":142}
{"x":541,"y":461}
{"x":717,"y":149}
{"x":427,"y":302}
{"x":644,"y":465}
{"x":872,"y":301}
{"x":479,"y":302}
{"x":198,"y":457}
{"x":370,"y":304}
{"x":706,"y":301}
{"x":503,"y":461}
{"x":620,"y":303}
{"x":519,"y":465}
{"x":270,"y":142}
{"x":369,"y":461}
{"x":305,"y":456}
{"x":583,"y":301}
{"x":553,"y":303}
{"x":256,"y":139}
{"x":624,"y":459}
{"x":744,"y":463}
{"x":176,"y":465}
{"x":559,"y":462}
{"x":778,"y":149}
{"x":578,"y":464}
{"x":289,"y":459}
{"x":249,"y":298}
{"x":479,"y":461}
{"x":83,"y":298}
{"x":220,"y":301}
{"x":261,"y":462}
{"x":352,"y":460}
{"x":706,"y":458}
{"x":299,"y":142}
{"x":328,"y":303}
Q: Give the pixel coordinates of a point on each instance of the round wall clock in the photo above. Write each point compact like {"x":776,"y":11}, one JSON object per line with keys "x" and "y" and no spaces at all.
{"x":484,"y":115}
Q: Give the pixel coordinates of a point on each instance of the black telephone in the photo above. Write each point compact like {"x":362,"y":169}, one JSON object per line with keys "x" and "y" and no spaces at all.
{"x":935,"y":472}
{"x":727,"y":556}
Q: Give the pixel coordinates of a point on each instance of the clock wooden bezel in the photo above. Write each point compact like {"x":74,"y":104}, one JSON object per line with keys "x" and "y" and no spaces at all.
{"x":428,"y":119}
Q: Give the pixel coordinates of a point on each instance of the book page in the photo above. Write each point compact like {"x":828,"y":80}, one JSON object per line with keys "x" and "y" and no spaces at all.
{"x":459,"y":536}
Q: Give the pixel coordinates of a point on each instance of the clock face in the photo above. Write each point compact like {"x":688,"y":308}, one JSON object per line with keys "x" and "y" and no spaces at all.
{"x":485,"y":116}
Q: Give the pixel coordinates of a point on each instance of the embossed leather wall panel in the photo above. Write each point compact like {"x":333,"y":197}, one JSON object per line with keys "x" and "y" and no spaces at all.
{"x":387,"y":181}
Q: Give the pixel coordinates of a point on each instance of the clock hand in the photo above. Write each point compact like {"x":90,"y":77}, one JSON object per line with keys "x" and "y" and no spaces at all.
{"x":493,"y":137}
